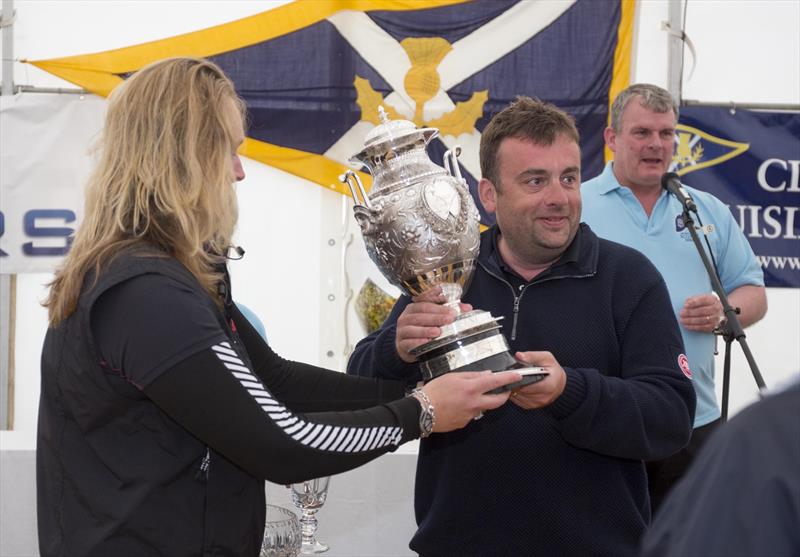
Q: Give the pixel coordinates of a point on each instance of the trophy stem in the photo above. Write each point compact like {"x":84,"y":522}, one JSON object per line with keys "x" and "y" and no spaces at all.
{"x":452,"y":294}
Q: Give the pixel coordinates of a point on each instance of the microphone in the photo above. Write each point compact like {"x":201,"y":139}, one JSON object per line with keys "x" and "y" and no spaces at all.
{"x":672,"y":183}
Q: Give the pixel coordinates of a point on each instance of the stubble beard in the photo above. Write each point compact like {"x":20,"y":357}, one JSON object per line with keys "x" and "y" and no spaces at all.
{"x":537,"y":248}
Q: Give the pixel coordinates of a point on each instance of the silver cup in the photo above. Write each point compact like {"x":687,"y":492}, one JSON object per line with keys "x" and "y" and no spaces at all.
{"x":421,"y":228}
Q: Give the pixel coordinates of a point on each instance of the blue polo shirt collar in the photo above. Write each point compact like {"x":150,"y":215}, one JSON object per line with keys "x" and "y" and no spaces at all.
{"x":609,"y":182}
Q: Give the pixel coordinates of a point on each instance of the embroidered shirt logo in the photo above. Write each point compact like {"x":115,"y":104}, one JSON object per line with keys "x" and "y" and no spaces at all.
{"x":680,"y":228}
{"x":683,"y":363}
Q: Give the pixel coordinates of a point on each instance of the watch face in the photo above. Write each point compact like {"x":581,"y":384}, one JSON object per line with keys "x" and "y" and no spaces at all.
{"x":425,"y":423}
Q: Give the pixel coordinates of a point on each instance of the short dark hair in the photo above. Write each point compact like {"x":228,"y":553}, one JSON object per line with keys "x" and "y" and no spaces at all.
{"x":525,"y":118}
{"x":649,"y":96}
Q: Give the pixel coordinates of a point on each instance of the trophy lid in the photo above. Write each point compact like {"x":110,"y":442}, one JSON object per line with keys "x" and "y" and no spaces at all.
{"x":393,"y":132}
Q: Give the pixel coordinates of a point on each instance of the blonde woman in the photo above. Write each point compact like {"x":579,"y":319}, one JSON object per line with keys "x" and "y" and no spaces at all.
{"x":162,"y":410}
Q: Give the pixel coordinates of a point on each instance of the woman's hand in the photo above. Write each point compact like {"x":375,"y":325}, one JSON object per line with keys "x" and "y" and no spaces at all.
{"x":458,"y":397}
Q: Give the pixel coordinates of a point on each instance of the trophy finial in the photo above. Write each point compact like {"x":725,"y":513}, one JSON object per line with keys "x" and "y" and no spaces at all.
{"x":382,"y":115}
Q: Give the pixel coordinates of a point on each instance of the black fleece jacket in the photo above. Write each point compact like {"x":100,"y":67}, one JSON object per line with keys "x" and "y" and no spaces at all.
{"x":567,"y":479}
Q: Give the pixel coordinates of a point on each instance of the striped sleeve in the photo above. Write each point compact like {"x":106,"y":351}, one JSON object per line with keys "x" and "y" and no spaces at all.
{"x":216,"y":397}
{"x":322,"y":436}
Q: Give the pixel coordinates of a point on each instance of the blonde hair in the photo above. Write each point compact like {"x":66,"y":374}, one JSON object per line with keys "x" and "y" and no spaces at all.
{"x":164,"y":177}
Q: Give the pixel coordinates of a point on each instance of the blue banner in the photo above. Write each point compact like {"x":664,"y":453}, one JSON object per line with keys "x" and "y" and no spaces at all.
{"x":751,"y":161}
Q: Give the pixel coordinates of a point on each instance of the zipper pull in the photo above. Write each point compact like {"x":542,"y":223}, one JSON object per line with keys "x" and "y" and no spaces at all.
{"x":516,"y":315}
{"x":202,"y":472}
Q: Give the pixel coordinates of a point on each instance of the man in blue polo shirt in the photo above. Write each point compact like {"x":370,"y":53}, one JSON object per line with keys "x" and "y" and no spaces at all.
{"x":627,"y":204}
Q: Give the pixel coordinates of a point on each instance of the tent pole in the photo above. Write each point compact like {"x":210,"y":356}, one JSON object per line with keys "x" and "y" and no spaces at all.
{"x":774,"y":107}
{"x":7,"y":23}
{"x":675,"y":50}
{"x":7,"y":282}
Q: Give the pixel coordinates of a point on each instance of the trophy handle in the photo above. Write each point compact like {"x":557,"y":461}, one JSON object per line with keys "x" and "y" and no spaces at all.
{"x":348,"y":178}
{"x":450,"y":161}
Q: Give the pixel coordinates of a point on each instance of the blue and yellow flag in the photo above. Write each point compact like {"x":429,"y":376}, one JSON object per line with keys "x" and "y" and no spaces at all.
{"x":313,"y":73}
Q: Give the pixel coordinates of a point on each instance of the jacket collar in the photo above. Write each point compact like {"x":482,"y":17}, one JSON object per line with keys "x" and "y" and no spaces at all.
{"x":579,"y":259}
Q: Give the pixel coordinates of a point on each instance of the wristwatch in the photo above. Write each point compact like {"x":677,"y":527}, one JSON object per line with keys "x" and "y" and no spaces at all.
{"x":427,"y":417}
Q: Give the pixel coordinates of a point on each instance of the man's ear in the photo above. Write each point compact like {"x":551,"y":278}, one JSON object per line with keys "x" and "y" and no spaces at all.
{"x":488,"y":195}
{"x":610,"y":137}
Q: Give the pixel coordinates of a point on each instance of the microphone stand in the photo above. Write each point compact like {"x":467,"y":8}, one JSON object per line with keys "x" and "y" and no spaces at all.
{"x":730,"y":329}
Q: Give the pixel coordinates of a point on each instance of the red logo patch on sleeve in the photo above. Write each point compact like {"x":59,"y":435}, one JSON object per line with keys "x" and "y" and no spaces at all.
{"x":683,"y":363}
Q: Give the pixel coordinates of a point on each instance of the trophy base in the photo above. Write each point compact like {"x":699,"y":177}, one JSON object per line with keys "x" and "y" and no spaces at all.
{"x":473,"y":342}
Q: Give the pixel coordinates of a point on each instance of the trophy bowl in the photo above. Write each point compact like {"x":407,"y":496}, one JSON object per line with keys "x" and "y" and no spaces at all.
{"x":421,"y":228}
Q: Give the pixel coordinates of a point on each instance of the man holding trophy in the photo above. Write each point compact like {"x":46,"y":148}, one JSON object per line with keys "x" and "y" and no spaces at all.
{"x":560,"y":471}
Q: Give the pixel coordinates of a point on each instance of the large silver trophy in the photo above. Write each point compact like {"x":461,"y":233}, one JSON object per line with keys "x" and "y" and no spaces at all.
{"x":421,"y":228}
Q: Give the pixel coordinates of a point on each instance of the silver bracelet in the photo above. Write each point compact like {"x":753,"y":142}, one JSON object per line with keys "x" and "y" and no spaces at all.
{"x":427,"y":415}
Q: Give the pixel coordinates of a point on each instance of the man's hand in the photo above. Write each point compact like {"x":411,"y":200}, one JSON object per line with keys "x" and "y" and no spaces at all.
{"x":421,"y":320}
{"x":701,"y":313}
{"x":546,"y":391}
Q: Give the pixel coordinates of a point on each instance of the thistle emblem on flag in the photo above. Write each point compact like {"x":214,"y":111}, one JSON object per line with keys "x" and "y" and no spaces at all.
{"x":422,"y":83}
